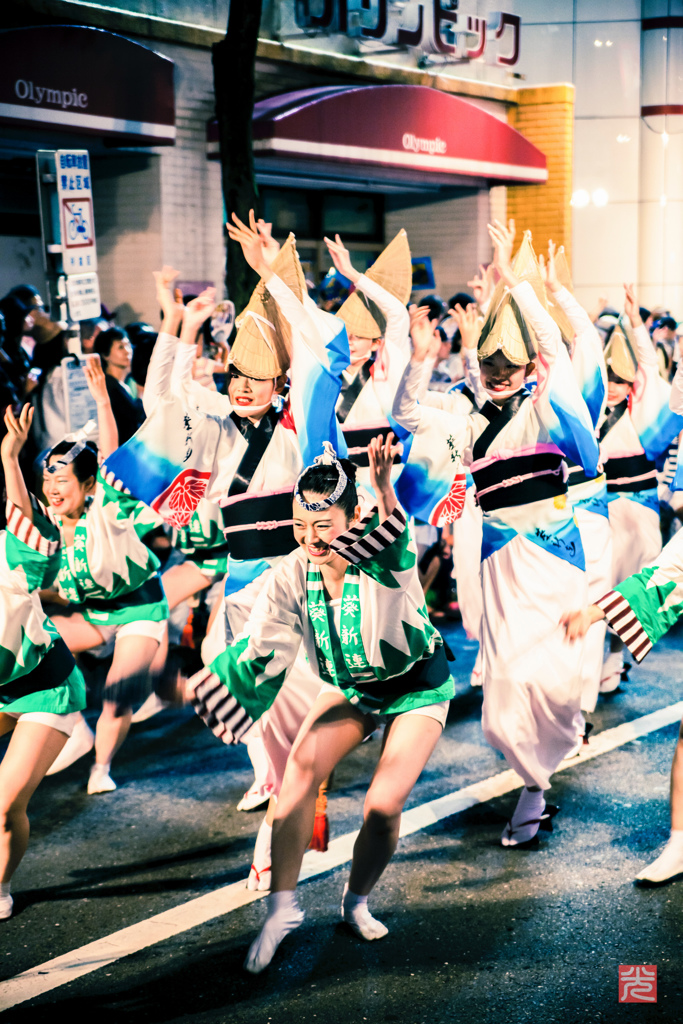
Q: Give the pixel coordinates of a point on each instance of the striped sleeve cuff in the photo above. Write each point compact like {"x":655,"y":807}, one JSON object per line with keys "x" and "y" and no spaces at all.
{"x":355,"y":547}
{"x":218,"y":709}
{"x":28,"y":533}
{"x":625,"y":623}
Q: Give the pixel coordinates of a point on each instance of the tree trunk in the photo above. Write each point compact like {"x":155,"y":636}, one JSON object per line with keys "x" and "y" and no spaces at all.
{"x":234,"y":83}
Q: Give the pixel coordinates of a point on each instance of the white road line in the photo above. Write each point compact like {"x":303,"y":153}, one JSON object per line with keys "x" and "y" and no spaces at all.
{"x":95,"y":955}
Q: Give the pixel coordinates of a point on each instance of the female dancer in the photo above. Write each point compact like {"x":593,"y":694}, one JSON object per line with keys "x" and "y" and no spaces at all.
{"x":588,"y":495}
{"x":637,"y":429}
{"x":110,"y":580}
{"x":41,"y":690}
{"x":244,"y":452}
{"x":352,"y":593}
{"x":640,"y":610}
{"x":531,"y":551}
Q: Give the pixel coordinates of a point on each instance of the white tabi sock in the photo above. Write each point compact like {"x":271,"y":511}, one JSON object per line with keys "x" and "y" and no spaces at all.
{"x":284,"y":915}
{"x":259,"y":876}
{"x":669,"y":862}
{"x":355,"y":913}
{"x":6,"y":901}
{"x":529,"y":809}
{"x":100,"y":780}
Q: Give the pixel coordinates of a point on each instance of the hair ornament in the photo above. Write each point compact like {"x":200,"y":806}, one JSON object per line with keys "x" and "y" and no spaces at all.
{"x":328,"y":458}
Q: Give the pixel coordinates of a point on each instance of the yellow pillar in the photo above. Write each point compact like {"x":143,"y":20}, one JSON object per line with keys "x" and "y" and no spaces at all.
{"x":545,"y":116}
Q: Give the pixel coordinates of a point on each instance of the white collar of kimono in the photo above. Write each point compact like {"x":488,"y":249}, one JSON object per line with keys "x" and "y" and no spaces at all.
{"x":328,"y":458}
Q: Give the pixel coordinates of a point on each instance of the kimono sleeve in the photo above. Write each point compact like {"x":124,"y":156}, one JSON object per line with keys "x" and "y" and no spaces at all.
{"x":143,"y":518}
{"x":431,"y":486}
{"x":557,"y":399}
{"x":32,"y":545}
{"x":587,"y":357}
{"x":320,"y":353}
{"x":380,"y":549}
{"x":394,"y":351}
{"x":655,"y":422}
{"x":159,"y":371}
{"x":647,"y":604}
{"x":255,"y":664}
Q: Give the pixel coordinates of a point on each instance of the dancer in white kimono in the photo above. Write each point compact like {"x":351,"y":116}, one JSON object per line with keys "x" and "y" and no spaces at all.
{"x":588,"y":495}
{"x":637,"y":428}
{"x":352,"y":594}
{"x":377,"y":324}
{"x":531,"y":554}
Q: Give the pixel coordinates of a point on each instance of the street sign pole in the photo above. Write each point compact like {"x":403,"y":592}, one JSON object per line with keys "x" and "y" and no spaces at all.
{"x":68,"y":230}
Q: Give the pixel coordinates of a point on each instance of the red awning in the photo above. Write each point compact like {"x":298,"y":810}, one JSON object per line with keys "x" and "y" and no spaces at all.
{"x":409,"y":131}
{"x":86,"y":81}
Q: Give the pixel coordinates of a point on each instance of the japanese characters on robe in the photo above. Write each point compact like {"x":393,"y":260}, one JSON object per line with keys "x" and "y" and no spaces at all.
{"x":37,"y":673}
{"x":532,"y":556}
{"x":382,"y":652}
{"x":588,"y":495}
{"x":108,"y":573}
{"x":366,"y":400}
{"x":633,"y":435}
{"x":643,"y":607}
{"x":188,"y":418}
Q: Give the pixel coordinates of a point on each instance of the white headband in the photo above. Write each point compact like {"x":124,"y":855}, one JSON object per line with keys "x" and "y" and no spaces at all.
{"x":328,"y":458}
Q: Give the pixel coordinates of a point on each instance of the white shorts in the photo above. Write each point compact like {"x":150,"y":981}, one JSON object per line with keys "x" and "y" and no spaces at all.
{"x":438,"y":711}
{"x":110,"y":634}
{"x":62,"y":723}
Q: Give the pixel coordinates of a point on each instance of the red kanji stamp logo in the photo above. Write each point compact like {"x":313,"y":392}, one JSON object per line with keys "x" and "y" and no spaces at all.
{"x":637,"y":983}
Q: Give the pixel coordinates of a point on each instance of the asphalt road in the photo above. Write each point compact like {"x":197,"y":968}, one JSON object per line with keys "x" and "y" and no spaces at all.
{"x":478,"y":933}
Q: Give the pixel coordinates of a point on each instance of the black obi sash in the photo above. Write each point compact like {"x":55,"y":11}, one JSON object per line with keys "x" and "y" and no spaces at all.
{"x":505,"y":475}
{"x":52,"y":671}
{"x":259,"y":525}
{"x":357,"y":441}
{"x":630,"y":473}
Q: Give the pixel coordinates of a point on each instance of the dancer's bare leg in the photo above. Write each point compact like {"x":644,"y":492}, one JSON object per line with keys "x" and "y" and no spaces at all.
{"x":32,"y":749}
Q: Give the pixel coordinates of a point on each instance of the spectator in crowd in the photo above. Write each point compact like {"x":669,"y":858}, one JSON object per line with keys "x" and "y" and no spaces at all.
{"x":116,"y":352}
{"x":664,"y":338}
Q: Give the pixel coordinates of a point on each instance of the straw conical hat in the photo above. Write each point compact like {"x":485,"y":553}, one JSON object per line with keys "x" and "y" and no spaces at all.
{"x":262,"y":346}
{"x":562,"y":269}
{"x":392,"y":270}
{"x":505,"y":327}
{"x":557,"y":313}
{"x":620,"y":353}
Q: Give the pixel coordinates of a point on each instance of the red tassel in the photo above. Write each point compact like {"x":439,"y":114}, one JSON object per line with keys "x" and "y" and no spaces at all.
{"x":187,"y":639}
{"x":321,"y":826}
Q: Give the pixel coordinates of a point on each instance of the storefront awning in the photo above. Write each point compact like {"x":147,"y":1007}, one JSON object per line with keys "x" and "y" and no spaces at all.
{"x":86,"y":81}
{"x":409,"y":132}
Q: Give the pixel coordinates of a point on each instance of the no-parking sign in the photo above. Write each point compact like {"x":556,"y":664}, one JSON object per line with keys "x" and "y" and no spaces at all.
{"x":74,"y":191}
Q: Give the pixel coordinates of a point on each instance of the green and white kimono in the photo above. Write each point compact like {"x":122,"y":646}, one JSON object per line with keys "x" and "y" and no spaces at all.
{"x":648,"y":603}
{"x":385,"y":656}
{"x":108,"y":573}
{"x":29,"y":643}
{"x":202,"y":541}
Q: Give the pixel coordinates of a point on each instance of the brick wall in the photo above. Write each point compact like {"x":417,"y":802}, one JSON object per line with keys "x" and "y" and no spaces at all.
{"x":452,"y":231}
{"x":126,"y":197}
{"x":545,"y":116}
{"x":162,"y":206}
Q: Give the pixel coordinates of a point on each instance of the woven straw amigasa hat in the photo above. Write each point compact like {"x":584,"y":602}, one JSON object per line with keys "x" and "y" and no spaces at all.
{"x":505,"y":329}
{"x":263,"y":345}
{"x":393,"y":270}
{"x":620,"y":353}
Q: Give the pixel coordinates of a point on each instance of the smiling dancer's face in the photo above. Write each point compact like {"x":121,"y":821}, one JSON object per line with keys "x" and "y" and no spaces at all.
{"x":501,"y":378}
{"x":314,"y":531}
{"x":250,"y":397}
{"x":64,"y":491}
